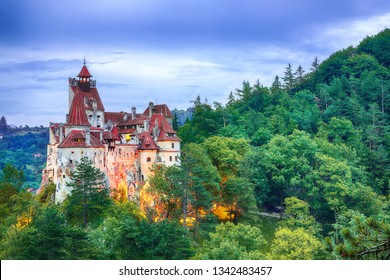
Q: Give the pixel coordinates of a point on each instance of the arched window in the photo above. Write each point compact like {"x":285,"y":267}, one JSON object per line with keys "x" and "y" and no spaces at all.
{"x":148,"y":159}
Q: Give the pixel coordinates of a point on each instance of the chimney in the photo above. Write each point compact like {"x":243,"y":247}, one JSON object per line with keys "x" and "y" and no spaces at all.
{"x":146,"y":125}
{"x":88,"y":137}
{"x":61,"y":133}
{"x":151,"y":105}
{"x":101,"y":135}
{"x":125,"y":117}
{"x":133,"y":113}
{"x":155,"y":128}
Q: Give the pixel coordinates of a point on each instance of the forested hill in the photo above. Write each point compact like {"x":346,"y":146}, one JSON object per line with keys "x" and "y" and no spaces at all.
{"x":315,"y":144}
{"x":321,"y":134}
{"x":25,"y":148}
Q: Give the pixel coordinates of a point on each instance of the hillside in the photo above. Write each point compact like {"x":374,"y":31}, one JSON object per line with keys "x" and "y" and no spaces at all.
{"x":26,"y":150}
{"x":299,"y":170}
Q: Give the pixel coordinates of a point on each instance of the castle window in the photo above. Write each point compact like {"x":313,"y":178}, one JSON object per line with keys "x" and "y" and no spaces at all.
{"x":170,"y":158}
{"x":176,"y":158}
{"x":148,"y":159}
{"x":173,"y":145}
{"x":71,"y":161}
{"x":63,"y":176}
{"x":72,"y":152}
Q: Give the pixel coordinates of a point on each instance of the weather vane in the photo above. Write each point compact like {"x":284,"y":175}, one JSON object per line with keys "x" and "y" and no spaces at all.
{"x":85,"y":61}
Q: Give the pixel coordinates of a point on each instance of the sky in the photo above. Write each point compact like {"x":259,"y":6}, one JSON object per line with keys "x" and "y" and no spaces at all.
{"x":167,"y":51}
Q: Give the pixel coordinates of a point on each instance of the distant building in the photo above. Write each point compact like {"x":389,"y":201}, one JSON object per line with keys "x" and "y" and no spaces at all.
{"x":124,"y":145}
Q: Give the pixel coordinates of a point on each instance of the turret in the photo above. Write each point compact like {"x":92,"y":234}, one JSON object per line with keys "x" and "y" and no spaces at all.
{"x":84,"y":79}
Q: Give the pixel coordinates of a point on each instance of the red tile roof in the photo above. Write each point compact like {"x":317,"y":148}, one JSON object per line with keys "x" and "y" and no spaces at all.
{"x":146,"y":141}
{"x":77,"y":138}
{"x":160,"y":109}
{"x":108,"y":135}
{"x":77,"y":115}
{"x":84,"y":73}
{"x":114,"y":117}
{"x":127,"y":131}
{"x":89,"y":97}
{"x":166,"y":132}
{"x":138,"y":120}
{"x":54,"y":127}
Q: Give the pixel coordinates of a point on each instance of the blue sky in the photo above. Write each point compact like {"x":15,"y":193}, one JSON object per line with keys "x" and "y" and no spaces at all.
{"x":166,"y":51}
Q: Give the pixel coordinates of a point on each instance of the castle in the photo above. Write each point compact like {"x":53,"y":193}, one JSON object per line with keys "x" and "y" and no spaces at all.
{"x":123,"y":145}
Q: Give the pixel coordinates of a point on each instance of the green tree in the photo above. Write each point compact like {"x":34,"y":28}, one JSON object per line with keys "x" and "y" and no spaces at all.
{"x":175,"y":122}
{"x":314,"y":65}
{"x":299,"y":75}
{"x":3,"y":125}
{"x":11,"y":183}
{"x":298,"y":216}
{"x":46,"y":237}
{"x":200,"y":182}
{"x":363,"y":238}
{"x":89,"y":196}
{"x":289,"y":78}
{"x":166,"y":186}
{"x":233,"y":242}
{"x":164,"y":241}
{"x":296,"y":244}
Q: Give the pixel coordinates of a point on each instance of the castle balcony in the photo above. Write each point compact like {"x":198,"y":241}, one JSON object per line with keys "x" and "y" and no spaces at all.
{"x":74,"y":82}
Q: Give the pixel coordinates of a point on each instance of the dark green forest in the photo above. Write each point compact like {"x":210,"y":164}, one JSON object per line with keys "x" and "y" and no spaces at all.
{"x":298,"y":170}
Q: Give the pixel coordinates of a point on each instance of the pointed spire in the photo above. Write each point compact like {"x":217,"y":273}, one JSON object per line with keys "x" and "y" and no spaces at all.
{"x":84,"y":73}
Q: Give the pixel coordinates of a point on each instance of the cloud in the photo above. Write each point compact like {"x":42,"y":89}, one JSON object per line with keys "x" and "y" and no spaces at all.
{"x":346,"y":33}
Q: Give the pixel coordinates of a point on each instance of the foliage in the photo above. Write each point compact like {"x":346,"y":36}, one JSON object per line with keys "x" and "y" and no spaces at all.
{"x":89,"y":196}
{"x":363,"y":238}
{"x":297,"y":244}
{"x":234,"y":242}
{"x":127,"y":235}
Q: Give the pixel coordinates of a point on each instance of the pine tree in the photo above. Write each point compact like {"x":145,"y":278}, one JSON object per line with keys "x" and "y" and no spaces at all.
{"x":299,"y":74}
{"x":3,"y":125}
{"x":89,"y":195}
{"x":175,"y":122}
{"x":289,"y":78}
{"x":276,"y":85}
{"x":314,"y":65}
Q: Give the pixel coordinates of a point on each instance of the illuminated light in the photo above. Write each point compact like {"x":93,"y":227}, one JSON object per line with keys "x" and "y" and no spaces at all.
{"x":224,"y":212}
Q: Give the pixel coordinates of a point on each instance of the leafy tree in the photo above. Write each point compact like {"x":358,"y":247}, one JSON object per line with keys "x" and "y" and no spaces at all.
{"x":167,"y":189}
{"x":200,"y":184}
{"x":298,"y":216}
{"x":46,"y":237}
{"x":117,"y":236}
{"x":89,"y":196}
{"x":296,"y":244}
{"x":164,"y":241}
{"x":47,"y":195}
{"x":233,"y":242}
{"x":11,"y":183}
{"x":377,"y":46}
